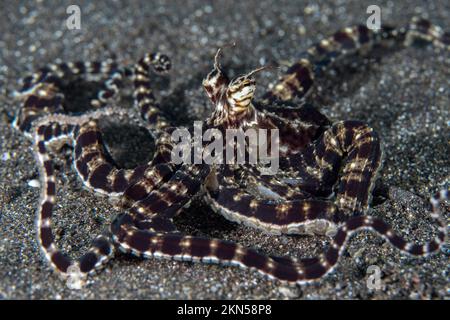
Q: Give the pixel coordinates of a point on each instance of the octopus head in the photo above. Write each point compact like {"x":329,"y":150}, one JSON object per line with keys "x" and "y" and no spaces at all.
{"x":240,"y":92}
{"x":236,"y":94}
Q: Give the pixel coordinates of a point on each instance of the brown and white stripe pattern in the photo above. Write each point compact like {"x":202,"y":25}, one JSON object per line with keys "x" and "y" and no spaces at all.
{"x":97,"y":172}
{"x":270,"y":207}
{"x":42,"y":94}
{"x":345,"y":157}
{"x":101,"y":249}
{"x":91,"y":160}
{"x":154,"y":243}
{"x":299,"y":78}
{"x":152,"y":194}
{"x":143,"y":94}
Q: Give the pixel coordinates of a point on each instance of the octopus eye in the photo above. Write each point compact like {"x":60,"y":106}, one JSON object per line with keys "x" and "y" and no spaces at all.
{"x":212,"y":75}
{"x":215,"y":84}
{"x":237,"y":84}
{"x":242,"y":84}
